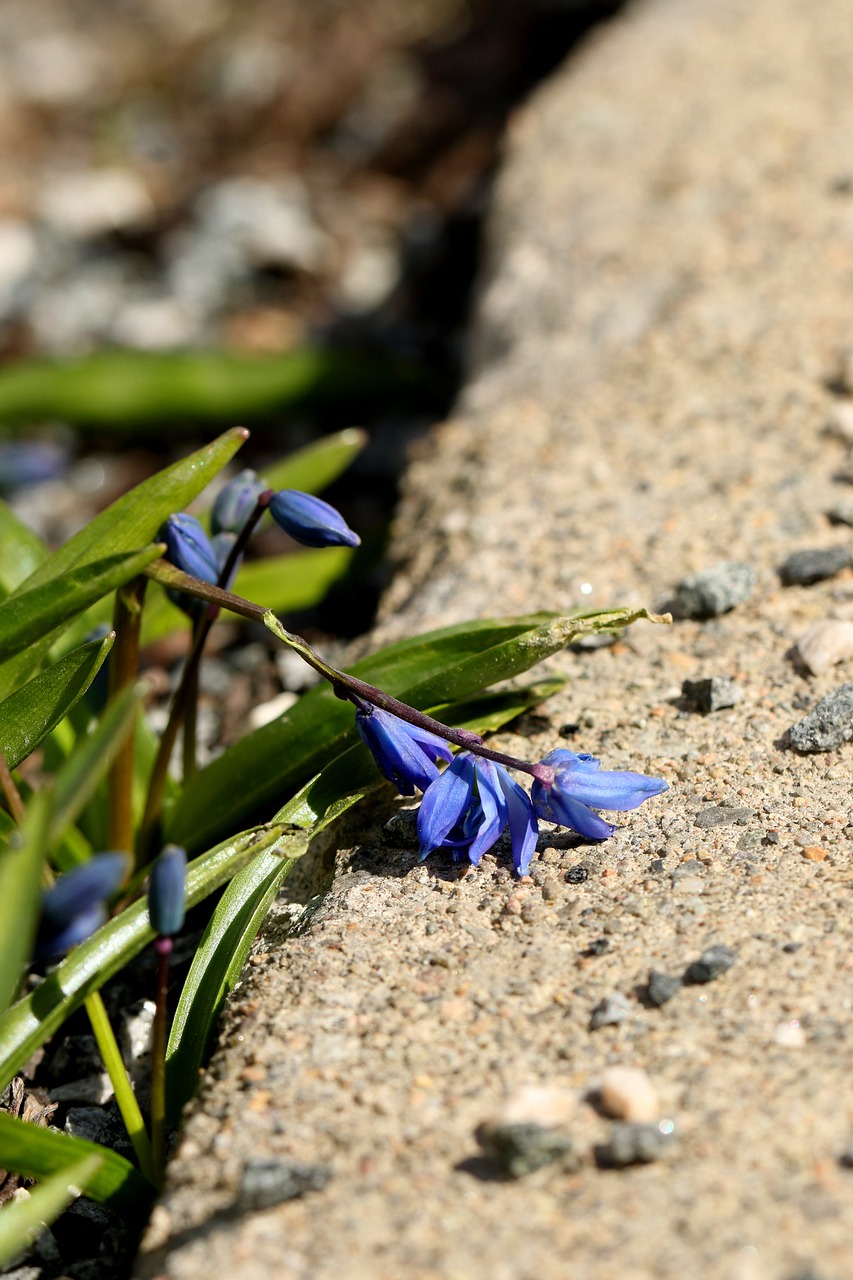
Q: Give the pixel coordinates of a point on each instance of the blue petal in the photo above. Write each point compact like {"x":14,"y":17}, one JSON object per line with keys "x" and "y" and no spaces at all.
{"x":492,"y":812}
{"x":167,"y":889}
{"x":310,"y":520}
{"x":236,"y":502}
{"x":609,"y":790}
{"x":523,"y":827}
{"x":404,"y":754}
{"x":569,"y":813}
{"x":188,"y":547}
{"x":52,"y":943}
{"x":444,"y":803}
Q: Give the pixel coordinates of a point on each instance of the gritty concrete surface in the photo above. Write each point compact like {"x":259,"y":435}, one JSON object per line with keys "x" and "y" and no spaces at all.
{"x":661,"y":340}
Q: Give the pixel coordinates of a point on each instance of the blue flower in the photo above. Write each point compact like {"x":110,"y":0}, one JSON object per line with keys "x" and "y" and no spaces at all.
{"x":76,"y":905}
{"x":236,"y":502}
{"x":167,"y":888}
{"x":310,"y":520}
{"x":580,"y":786}
{"x":470,"y":805}
{"x":404,"y":754}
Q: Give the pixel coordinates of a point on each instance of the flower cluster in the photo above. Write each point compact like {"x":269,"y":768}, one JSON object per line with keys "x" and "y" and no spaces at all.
{"x":306,"y":518}
{"x":468,"y":806}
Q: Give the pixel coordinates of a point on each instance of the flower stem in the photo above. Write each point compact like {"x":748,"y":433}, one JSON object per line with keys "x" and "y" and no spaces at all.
{"x":124,"y":667}
{"x":11,"y":792}
{"x":125,"y":1097}
{"x":187,"y":689}
{"x":163,"y":947}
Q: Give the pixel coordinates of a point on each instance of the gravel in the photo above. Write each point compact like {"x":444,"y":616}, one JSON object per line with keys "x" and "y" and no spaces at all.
{"x":827,"y":725}
{"x":631,"y":1144}
{"x":712,"y":963}
{"x":713,"y":693}
{"x":713,"y":591}
{"x":804,"y":568}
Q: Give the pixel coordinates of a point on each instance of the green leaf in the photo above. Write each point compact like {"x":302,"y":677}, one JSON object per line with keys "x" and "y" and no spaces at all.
{"x":120,"y":391}
{"x":130,"y":522}
{"x":28,"y":617}
{"x":90,"y":760}
{"x":21,"y":864}
{"x":21,"y":550}
{"x":34,"y":1018}
{"x":35,"y":1152}
{"x":28,"y":715}
{"x":22,"y":1221}
{"x":315,"y":467}
{"x":241,"y":910}
{"x":455,"y":662}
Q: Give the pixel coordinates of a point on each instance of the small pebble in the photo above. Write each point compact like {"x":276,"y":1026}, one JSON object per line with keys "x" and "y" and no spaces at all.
{"x":840,"y":420}
{"x":713,"y":962}
{"x":842,"y":512}
{"x":609,"y":1011}
{"x":577,"y":875}
{"x":789,"y":1035}
{"x":815,"y":853}
{"x":824,"y":644}
{"x":721,"y":816}
{"x":635,"y":1144}
{"x":529,"y":1129}
{"x":627,"y":1093}
{"x":266,"y":1182}
{"x":804,"y":568}
{"x":714,"y":591}
{"x":662,"y":987}
{"x":711,"y":694}
{"x":828,"y":724}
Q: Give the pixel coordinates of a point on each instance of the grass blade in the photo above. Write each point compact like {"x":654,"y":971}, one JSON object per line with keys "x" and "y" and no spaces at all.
{"x":22,"y":1221}
{"x":36,"y":1152}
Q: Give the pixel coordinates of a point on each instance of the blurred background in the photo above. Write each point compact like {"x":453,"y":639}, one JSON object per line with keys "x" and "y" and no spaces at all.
{"x":257,"y":211}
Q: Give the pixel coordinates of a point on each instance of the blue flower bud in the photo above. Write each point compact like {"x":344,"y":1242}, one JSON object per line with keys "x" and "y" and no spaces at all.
{"x":188,"y":547}
{"x":236,"y":502}
{"x":223,"y":545}
{"x":310,"y":520}
{"x":79,"y":889}
{"x":76,"y":905}
{"x":167,"y":889}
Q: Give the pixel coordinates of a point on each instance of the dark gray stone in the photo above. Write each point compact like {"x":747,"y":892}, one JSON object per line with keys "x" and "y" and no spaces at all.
{"x":711,"y":694}
{"x":804,"y":568}
{"x":662,"y":987}
{"x":714,"y":591}
{"x":634,"y":1144}
{"x":523,"y":1148}
{"x":712,"y":962}
{"x":268,"y":1182}
{"x":827,"y":725}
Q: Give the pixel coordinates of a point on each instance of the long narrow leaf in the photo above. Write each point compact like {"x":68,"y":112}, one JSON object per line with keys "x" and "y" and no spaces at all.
{"x":21,"y":864}
{"x":21,"y":550}
{"x":22,"y":1221}
{"x":36,"y":1152}
{"x":28,"y":715}
{"x":442,"y":666}
{"x":313,"y":468}
{"x":32,"y":1020}
{"x":241,"y":910}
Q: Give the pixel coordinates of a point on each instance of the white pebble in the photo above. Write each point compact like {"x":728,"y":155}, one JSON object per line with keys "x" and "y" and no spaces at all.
{"x":266,"y":712}
{"x":627,"y":1093}
{"x":824,"y":644}
{"x":545,"y":1105}
{"x":789,"y":1035}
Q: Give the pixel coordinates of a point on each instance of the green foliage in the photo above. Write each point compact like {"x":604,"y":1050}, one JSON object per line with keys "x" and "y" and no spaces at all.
{"x":101,"y":778}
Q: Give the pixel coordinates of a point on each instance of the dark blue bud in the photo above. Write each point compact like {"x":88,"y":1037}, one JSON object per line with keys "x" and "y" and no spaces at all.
{"x":167,"y":888}
{"x":52,"y":944}
{"x":188,"y":547}
{"x":81,"y":888}
{"x":310,"y":520}
{"x":236,"y":502}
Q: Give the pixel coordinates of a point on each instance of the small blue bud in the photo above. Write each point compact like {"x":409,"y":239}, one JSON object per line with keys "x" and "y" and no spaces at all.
{"x":79,"y":889}
{"x":310,"y":520}
{"x":167,"y":890}
{"x":236,"y":502}
{"x":188,"y":547}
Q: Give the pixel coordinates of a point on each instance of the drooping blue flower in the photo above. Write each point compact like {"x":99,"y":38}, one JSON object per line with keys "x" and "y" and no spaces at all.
{"x":310,"y":520}
{"x":468,"y":807}
{"x":580,"y":786}
{"x":76,"y":905}
{"x":167,"y":887}
{"x":236,"y":502}
{"x":404,"y":754}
